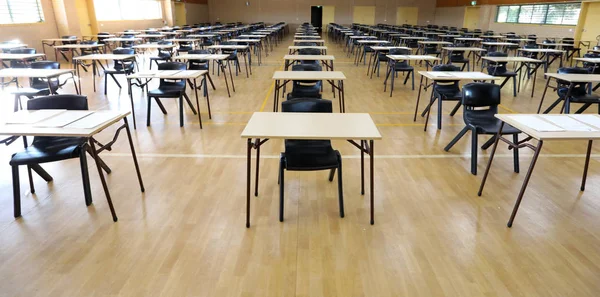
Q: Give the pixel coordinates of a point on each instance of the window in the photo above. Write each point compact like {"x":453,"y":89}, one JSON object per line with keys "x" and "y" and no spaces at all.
{"x":115,"y":10}
{"x":551,"y":14}
{"x":21,"y":11}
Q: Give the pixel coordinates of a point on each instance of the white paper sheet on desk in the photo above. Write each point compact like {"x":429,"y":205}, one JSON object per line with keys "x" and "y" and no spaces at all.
{"x":441,"y":74}
{"x":589,"y":119}
{"x":64,"y":118}
{"x":30,"y":117}
{"x":536,"y":123}
{"x":568,"y":123}
{"x":93,"y":120}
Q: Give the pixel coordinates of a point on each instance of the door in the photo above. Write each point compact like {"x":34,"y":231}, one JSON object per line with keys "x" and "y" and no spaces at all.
{"x":407,"y":15}
{"x":180,"y":14}
{"x":471,"y":21}
{"x":316,"y":17}
{"x":85,"y":25}
{"x":591,"y":23}
{"x":364,"y":15}
{"x":328,"y":15}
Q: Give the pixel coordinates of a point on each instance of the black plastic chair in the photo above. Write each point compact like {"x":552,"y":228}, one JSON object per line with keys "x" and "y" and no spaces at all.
{"x":127,"y":44}
{"x":458,"y":57}
{"x":443,"y":91}
{"x":399,"y":66}
{"x":102,"y":36}
{"x":52,"y":149}
{"x":579,"y":92}
{"x":309,"y":52}
{"x":22,"y":63}
{"x":120,"y":67}
{"x":232,"y":56}
{"x":570,"y":48}
{"x":170,"y":89}
{"x":163,"y":54}
{"x":309,"y":155}
{"x":37,"y":86}
{"x":480,"y":101}
{"x":499,"y":69}
{"x":63,"y":51}
{"x":306,"y":88}
{"x":91,"y":51}
{"x":200,"y":65}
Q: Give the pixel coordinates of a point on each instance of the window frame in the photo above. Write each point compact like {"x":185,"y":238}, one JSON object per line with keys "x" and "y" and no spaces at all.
{"x":120,"y":13}
{"x":544,"y":23}
{"x":40,"y":14}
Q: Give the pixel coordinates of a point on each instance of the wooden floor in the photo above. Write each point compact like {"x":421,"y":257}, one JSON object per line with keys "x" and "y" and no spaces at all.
{"x":185,"y":236}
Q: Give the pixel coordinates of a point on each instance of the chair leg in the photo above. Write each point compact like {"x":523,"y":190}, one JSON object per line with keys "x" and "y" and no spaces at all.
{"x":474,"y":149}
{"x":16,"y":191}
{"x":331,"y":174}
{"x":116,"y":81}
{"x":455,"y":109}
{"x":17,"y":103}
{"x":281,"y":186}
{"x":456,"y":138}
{"x":105,"y":83}
{"x":85,"y":176}
{"x":149,"y":111}
{"x":412,"y":74}
{"x":439,"y":114}
{"x":516,"y":153}
{"x":180,"y":111}
{"x":340,"y":186}
{"x":187,"y":99}
{"x":514,"y":86}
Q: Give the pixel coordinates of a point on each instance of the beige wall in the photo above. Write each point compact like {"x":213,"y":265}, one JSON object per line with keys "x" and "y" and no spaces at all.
{"x":32,"y":33}
{"x":196,"y":13}
{"x":298,"y":11}
{"x":454,"y":16}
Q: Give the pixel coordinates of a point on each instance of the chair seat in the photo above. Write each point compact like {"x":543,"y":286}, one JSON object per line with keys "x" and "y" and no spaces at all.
{"x":449,"y":94}
{"x":117,"y":71}
{"x":310,"y":155}
{"x":31,"y":92}
{"x":585,"y":99}
{"x":504,"y":74}
{"x":401,"y":67}
{"x":174,"y":92}
{"x":491,"y":126}
{"x":49,"y":149}
{"x":464,"y":60}
{"x":160,"y":58}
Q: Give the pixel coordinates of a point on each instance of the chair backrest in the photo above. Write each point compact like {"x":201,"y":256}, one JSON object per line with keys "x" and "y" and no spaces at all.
{"x":578,"y":88}
{"x":69,"y":102}
{"x":69,"y":37}
{"x":22,"y":51}
{"x":309,"y":51}
{"x":497,"y":67}
{"x":89,"y":42}
{"x":307,"y":105}
{"x":124,"y":65}
{"x":39,"y":83}
{"x":199,"y":64}
{"x":166,"y":83}
{"x":399,"y":51}
{"x":476,"y":97}
{"x":448,"y":85}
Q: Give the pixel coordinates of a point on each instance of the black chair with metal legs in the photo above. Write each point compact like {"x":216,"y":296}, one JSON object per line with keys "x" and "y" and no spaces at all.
{"x":309,"y":155}
{"x":399,"y":66}
{"x":232,"y":56}
{"x":38,"y":86}
{"x":458,"y":57}
{"x":310,"y":52}
{"x":51,"y":149}
{"x":62,"y":51}
{"x":200,"y":65}
{"x":575,"y":93}
{"x":170,"y":89}
{"x":120,"y":67}
{"x":21,"y":63}
{"x":499,"y":69}
{"x":443,"y":91}
{"x":480,"y":101}
{"x":593,"y":67}
{"x":306,"y":88}
{"x":164,"y":55}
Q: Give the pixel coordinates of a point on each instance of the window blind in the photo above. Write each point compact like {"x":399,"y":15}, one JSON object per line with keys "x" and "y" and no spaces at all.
{"x":553,"y":14}
{"x":21,"y":11}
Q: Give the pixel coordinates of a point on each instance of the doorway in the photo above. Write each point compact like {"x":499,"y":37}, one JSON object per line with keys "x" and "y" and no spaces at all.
{"x":407,"y":15}
{"x":180,"y":14}
{"x":316,"y":17}
{"x":471,"y":21}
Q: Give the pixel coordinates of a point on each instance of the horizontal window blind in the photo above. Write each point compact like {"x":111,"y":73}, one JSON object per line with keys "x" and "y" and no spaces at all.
{"x":114,"y":10}
{"x":21,"y":11}
{"x":552,"y":14}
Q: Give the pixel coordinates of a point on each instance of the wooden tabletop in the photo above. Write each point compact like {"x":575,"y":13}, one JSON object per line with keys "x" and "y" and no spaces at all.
{"x":372,"y":41}
{"x":413,"y":57}
{"x":511,"y":59}
{"x":154,"y":45}
{"x":105,"y":57}
{"x":251,"y":36}
{"x":220,"y":46}
{"x":541,"y":50}
{"x":469,"y":38}
{"x":457,"y":75}
{"x":37,"y":73}
{"x":362,"y":37}
{"x":290,"y":125}
{"x":309,"y":57}
{"x":4,"y":56}
{"x":76,"y":46}
{"x":244,"y":40}
{"x":150,"y":36}
{"x":434,"y":42}
{"x":61,"y":39}
{"x":201,"y":57}
{"x":307,"y":47}
{"x":589,"y":60}
{"x":309,"y":40}
{"x":169,"y":74}
{"x":7,"y":46}
{"x":65,"y":123}
{"x":464,"y":49}
{"x":201,"y":36}
{"x":498,"y":43}
{"x":555,"y":126}
{"x":414,"y":38}
{"x":387,"y":48}
{"x":122,"y":39}
{"x":309,"y":75}
{"x":583,"y":78}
